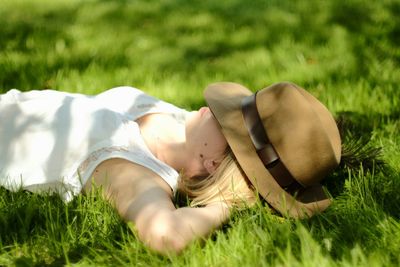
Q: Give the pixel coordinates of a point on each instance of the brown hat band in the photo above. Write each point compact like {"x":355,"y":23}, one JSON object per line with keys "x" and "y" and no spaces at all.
{"x":265,"y":150}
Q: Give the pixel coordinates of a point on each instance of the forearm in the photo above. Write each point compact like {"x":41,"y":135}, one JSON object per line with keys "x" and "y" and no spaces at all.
{"x":200,"y":222}
{"x":172,"y":231}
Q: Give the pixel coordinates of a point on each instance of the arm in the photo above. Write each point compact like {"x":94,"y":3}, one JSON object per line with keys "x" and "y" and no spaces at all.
{"x":143,"y":198}
{"x":172,"y":231}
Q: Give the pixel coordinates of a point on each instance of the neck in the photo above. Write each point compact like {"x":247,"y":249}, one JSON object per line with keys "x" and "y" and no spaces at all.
{"x":173,"y":154}
{"x":167,"y":141}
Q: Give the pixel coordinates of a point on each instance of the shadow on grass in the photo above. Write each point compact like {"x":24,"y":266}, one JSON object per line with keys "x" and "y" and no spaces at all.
{"x":27,"y":35}
{"x":361,"y":216}
{"x":366,"y":194}
{"x":74,"y":255}
{"x":54,"y":232}
{"x":358,"y":152}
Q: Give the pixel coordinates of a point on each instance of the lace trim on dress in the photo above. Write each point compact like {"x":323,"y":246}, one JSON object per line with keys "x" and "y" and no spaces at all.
{"x":95,"y":155}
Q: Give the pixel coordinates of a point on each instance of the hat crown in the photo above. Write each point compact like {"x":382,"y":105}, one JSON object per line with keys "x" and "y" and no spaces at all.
{"x":302,"y":131}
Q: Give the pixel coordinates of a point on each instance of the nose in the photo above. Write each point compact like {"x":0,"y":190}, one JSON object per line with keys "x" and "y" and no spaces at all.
{"x":203,"y":110}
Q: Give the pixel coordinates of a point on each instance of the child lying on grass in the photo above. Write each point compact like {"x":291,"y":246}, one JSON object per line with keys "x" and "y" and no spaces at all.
{"x":279,"y":142}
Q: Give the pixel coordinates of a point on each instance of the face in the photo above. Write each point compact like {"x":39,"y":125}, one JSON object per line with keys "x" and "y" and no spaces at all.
{"x":205,"y":141}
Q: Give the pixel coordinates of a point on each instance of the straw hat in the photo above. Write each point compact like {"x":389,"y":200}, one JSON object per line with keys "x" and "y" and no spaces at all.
{"x":284,"y":139}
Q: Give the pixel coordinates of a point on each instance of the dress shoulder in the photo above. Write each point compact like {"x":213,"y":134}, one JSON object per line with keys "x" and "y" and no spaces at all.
{"x":135,"y":103}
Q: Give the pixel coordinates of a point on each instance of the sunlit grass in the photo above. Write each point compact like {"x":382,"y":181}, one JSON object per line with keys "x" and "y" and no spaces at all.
{"x":346,"y":53}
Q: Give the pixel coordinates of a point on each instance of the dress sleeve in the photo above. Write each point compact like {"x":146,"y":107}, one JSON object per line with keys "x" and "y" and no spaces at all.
{"x":127,"y":100}
{"x":135,"y":103}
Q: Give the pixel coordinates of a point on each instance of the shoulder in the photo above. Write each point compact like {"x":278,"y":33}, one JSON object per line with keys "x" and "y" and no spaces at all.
{"x":123,"y":181}
{"x":136,"y":192}
{"x":127,"y":99}
{"x":121,"y":91}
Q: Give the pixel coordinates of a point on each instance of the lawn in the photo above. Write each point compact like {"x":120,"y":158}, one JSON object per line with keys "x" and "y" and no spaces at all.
{"x":346,"y":53}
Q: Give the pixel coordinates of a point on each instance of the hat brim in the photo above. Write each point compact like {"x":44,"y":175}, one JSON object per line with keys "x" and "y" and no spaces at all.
{"x":224,"y":99}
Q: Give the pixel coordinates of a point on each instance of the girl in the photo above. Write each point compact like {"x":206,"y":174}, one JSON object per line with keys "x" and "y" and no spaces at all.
{"x":279,"y":143}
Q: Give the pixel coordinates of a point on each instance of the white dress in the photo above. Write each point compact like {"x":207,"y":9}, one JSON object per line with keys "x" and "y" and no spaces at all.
{"x":53,"y":141}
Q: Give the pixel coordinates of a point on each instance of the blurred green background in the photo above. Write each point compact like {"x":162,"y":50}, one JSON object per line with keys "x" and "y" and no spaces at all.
{"x":347,"y":53}
{"x":167,"y":46}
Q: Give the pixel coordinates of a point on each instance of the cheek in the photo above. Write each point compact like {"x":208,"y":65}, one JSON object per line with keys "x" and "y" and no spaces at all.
{"x":222,"y":145}
{"x":218,"y":136}
{"x":221,"y":138}
{"x":216,"y":144}
{"x":219,"y":141}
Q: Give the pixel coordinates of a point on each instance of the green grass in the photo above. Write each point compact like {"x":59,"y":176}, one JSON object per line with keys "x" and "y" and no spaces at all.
{"x":347,"y":53}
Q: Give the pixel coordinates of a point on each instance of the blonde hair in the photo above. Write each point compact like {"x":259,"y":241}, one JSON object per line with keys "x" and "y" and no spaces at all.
{"x":227,"y":184}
